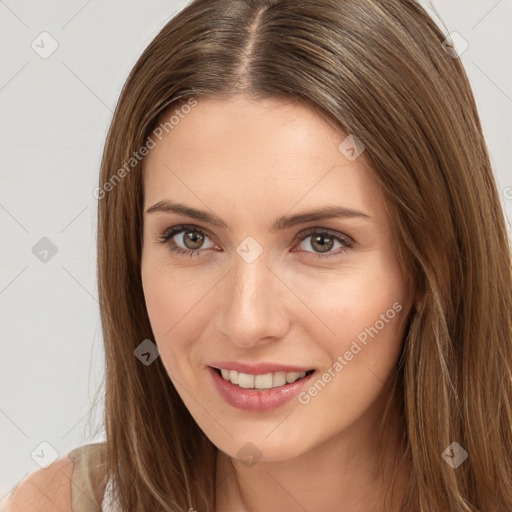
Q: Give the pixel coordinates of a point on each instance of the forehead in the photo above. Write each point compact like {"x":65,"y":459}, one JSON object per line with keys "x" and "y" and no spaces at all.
{"x":258,"y":151}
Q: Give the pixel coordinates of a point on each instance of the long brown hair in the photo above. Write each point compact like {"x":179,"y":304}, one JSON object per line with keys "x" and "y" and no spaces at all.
{"x":380,"y":72}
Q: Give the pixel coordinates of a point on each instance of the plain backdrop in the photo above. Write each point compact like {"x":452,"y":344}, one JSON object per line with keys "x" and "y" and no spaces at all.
{"x":54,"y":114}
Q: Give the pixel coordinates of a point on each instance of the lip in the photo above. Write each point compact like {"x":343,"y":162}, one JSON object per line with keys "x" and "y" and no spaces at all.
{"x":258,"y":368}
{"x":257,"y":400}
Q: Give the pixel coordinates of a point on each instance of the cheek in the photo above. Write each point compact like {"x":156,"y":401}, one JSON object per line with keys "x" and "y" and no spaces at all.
{"x":161,"y":300}
{"x":162,"y":303}
{"x":348,"y":303}
{"x":368,"y":321}
{"x":168,"y":295}
{"x":361,"y":315}
{"x":175,"y":302}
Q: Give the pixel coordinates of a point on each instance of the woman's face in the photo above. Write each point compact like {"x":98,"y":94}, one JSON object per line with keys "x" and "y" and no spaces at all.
{"x":253,"y":282}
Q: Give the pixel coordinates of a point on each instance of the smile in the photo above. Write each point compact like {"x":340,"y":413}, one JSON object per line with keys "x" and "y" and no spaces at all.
{"x":258,"y":392}
{"x":265,"y":381}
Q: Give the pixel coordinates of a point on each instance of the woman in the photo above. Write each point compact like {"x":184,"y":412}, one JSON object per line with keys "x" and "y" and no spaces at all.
{"x":304,"y":273}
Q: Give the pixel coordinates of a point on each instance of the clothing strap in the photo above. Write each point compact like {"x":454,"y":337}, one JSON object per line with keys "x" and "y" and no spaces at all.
{"x":89,"y":478}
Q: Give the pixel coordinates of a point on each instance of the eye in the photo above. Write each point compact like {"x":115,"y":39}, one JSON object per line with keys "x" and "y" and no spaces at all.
{"x":191,"y":239}
{"x":188,"y":242}
{"x":323,"y":241}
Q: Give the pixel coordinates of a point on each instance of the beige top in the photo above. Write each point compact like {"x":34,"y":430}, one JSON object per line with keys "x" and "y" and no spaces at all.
{"x":89,"y":480}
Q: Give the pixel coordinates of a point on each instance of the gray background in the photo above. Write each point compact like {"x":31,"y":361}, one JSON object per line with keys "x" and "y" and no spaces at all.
{"x":54,"y":116}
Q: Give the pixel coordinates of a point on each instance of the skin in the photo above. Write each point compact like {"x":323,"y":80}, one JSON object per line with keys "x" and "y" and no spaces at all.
{"x":250,"y":162}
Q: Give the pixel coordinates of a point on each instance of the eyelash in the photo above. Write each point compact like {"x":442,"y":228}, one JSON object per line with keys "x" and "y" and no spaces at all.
{"x":169,"y":234}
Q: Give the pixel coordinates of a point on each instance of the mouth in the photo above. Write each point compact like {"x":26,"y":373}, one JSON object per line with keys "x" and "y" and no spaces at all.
{"x":258,"y":392}
{"x":269,"y":380}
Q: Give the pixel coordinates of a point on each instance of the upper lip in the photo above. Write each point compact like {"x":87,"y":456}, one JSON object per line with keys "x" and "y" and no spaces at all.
{"x":258,"y":368}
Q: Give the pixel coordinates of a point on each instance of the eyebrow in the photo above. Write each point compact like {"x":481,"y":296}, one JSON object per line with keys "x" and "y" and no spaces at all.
{"x":287,"y":221}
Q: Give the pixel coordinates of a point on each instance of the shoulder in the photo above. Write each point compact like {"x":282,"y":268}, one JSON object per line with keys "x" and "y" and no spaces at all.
{"x":44,"y":490}
{"x":78,"y":477}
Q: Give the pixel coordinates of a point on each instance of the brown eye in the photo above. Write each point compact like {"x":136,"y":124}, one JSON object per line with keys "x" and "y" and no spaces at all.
{"x":193,"y":240}
{"x":185,"y":240}
{"x":323,"y":242}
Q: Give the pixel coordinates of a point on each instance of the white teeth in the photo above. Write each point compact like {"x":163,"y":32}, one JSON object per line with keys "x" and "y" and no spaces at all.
{"x":263,"y":381}
{"x":279,"y":379}
{"x":266,"y":381}
{"x":291,"y":377}
{"x":245,"y":380}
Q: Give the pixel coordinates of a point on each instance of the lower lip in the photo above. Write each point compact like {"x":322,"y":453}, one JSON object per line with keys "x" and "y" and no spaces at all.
{"x":257,"y":399}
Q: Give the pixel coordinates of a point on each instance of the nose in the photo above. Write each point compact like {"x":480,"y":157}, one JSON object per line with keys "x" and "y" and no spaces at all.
{"x":252,"y":308}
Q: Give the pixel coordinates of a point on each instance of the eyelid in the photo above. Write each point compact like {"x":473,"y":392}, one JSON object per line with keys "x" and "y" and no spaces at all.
{"x":336,"y":234}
